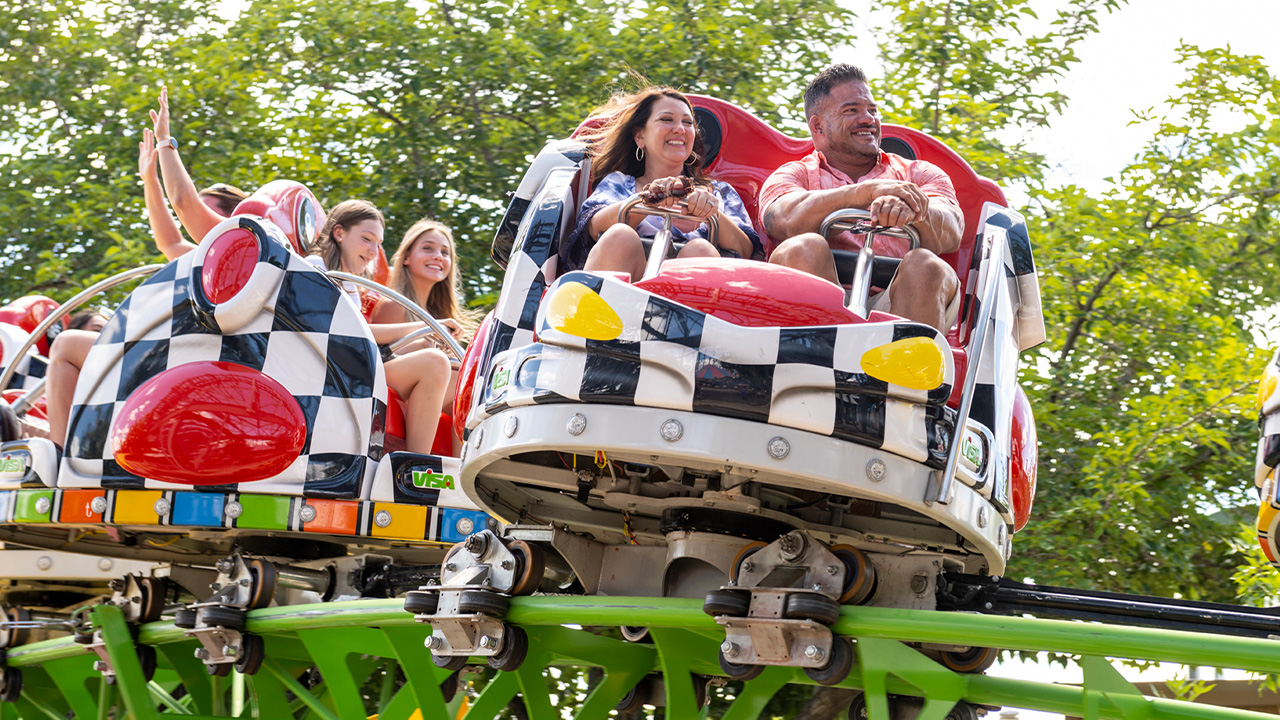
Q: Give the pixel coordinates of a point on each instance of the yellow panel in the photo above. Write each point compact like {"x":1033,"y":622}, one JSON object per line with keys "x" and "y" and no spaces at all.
{"x":914,"y":363}
{"x":408,"y":522}
{"x":577,"y":309}
{"x":136,"y":507}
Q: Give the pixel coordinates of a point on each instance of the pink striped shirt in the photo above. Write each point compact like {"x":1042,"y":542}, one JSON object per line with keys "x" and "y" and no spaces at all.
{"x":813,"y":173}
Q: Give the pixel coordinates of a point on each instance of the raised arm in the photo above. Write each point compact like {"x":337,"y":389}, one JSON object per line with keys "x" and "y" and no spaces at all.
{"x":194,"y":215}
{"x":169,"y":240}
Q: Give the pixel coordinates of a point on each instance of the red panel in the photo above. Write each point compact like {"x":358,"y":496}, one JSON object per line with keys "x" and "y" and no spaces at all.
{"x":207,"y":423}
{"x":1024,"y":460}
{"x":77,"y":506}
{"x":393,"y":439}
{"x":37,"y":409}
{"x":467,"y":376}
{"x":231,"y":260}
{"x":280,"y":202}
{"x":443,"y":443}
{"x":29,"y":311}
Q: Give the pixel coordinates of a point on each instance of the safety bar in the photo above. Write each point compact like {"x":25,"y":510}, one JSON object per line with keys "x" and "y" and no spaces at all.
{"x":662,"y":241}
{"x":408,"y":305}
{"x":859,"y":222}
{"x":66,"y":309}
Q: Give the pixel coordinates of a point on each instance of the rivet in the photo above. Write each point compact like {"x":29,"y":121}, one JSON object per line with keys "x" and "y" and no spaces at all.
{"x":44,"y":562}
{"x":233,"y":510}
{"x":778,"y":447}
{"x":308,"y":513}
{"x":876,"y":470}
{"x":982,"y":517}
{"x":510,"y":426}
{"x":105,"y":564}
{"x":1000,"y":535}
{"x":43,"y":505}
{"x":476,"y":437}
{"x":465,"y":526}
{"x":162,"y":507}
{"x":98,"y":505}
{"x":577,"y":424}
{"x":671,"y":430}
{"x":382,"y":518}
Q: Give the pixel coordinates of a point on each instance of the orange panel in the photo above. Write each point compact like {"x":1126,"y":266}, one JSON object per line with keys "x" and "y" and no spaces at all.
{"x":334,"y":517}
{"x":77,"y":506}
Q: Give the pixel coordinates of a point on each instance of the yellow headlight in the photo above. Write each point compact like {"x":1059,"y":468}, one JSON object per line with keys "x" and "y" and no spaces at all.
{"x":915,"y":363}
{"x":577,"y":309}
{"x":1267,"y":385}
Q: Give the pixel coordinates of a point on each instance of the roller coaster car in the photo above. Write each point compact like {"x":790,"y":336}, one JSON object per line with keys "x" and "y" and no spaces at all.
{"x":236,"y":401}
{"x":1268,"y":460}
{"x":651,"y":437}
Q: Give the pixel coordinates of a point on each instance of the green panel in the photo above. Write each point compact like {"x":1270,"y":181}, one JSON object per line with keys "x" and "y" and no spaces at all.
{"x":24,"y":507}
{"x":263,"y":512}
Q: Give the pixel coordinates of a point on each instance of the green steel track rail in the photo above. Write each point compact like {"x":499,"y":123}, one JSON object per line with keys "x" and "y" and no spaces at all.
{"x":322,"y":660}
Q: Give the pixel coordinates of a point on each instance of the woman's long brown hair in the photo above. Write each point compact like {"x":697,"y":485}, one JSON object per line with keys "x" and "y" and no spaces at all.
{"x":614,"y":139}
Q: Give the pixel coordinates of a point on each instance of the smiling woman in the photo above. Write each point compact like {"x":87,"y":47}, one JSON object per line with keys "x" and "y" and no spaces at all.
{"x":647,"y":143}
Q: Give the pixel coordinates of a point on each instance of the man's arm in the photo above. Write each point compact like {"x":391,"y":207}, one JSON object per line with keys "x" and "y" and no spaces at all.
{"x":891,"y":203}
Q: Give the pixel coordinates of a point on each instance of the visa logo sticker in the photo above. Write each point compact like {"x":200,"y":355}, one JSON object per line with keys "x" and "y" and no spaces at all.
{"x":10,"y":466}
{"x":501,"y":378}
{"x":430,"y":479}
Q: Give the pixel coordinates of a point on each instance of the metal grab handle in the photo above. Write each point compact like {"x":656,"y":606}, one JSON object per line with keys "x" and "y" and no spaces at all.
{"x":859,"y":222}
{"x":66,"y":309}
{"x":662,"y":241}
{"x":408,"y":305}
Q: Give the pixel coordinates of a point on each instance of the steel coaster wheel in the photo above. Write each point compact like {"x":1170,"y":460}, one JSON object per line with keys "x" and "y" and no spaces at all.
{"x":231,"y":618}
{"x":452,"y":663}
{"x":633,"y":701}
{"x":147,"y":659}
{"x":634,"y":633}
{"x":860,"y":579}
{"x":963,"y":711}
{"x":532,"y":564}
{"x":487,"y":602}
{"x":734,"y":603}
{"x":185,"y":618}
{"x":971,"y":660}
{"x":154,"y":591}
{"x":811,"y":606}
{"x":515,"y":646}
{"x":18,"y":636}
{"x":264,"y":583}
{"x":219,"y":670}
{"x":422,"y":602}
{"x":737,"y":671}
{"x":747,"y":551}
{"x":838,"y":664}
{"x":253,"y":650}
{"x":10,"y":685}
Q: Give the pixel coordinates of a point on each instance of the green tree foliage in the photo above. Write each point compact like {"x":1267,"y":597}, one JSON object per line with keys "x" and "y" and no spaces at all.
{"x":1144,"y":394}
{"x":424,"y":109}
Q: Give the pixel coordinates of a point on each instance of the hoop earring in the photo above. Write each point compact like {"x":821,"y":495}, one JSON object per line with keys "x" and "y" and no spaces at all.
{"x":639,"y":154}
{"x":692,"y":159}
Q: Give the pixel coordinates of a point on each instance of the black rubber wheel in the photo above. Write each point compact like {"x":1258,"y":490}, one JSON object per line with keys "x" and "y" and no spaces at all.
{"x":19,"y":636}
{"x":10,"y":685}
{"x":739,"y":672}
{"x":147,"y":659}
{"x":82,"y":637}
{"x":971,"y":660}
{"x":811,"y":606}
{"x":452,"y":663}
{"x":253,"y":650}
{"x":154,"y":591}
{"x":231,"y":618}
{"x":532,"y":564}
{"x":633,"y":701}
{"x":422,"y":602}
{"x":635,"y":633}
{"x":747,"y":551}
{"x":963,"y":711}
{"x":263,"y":589}
{"x":700,"y":690}
{"x":733,"y":603}
{"x":515,"y":646}
{"x":487,"y":602}
{"x":860,"y":580}
{"x":838,"y":664}
{"x":449,"y":686}
{"x":219,"y":670}
{"x":184,"y":618}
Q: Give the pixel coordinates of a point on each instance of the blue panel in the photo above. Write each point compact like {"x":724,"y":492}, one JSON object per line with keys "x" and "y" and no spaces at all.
{"x":196,"y":508}
{"x":449,"y":517}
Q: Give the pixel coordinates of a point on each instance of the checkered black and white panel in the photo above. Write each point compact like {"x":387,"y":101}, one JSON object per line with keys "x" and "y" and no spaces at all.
{"x":671,"y":356}
{"x":30,"y":368}
{"x":532,"y":264}
{"x":301,"y":331}
{"x":414,"y":479}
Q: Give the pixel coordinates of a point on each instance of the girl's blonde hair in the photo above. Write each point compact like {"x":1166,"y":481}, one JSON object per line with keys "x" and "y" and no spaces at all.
{"x":442,"y":300}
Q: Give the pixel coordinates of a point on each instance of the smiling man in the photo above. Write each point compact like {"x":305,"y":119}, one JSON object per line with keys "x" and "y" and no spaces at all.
{"x":848,"y":170}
